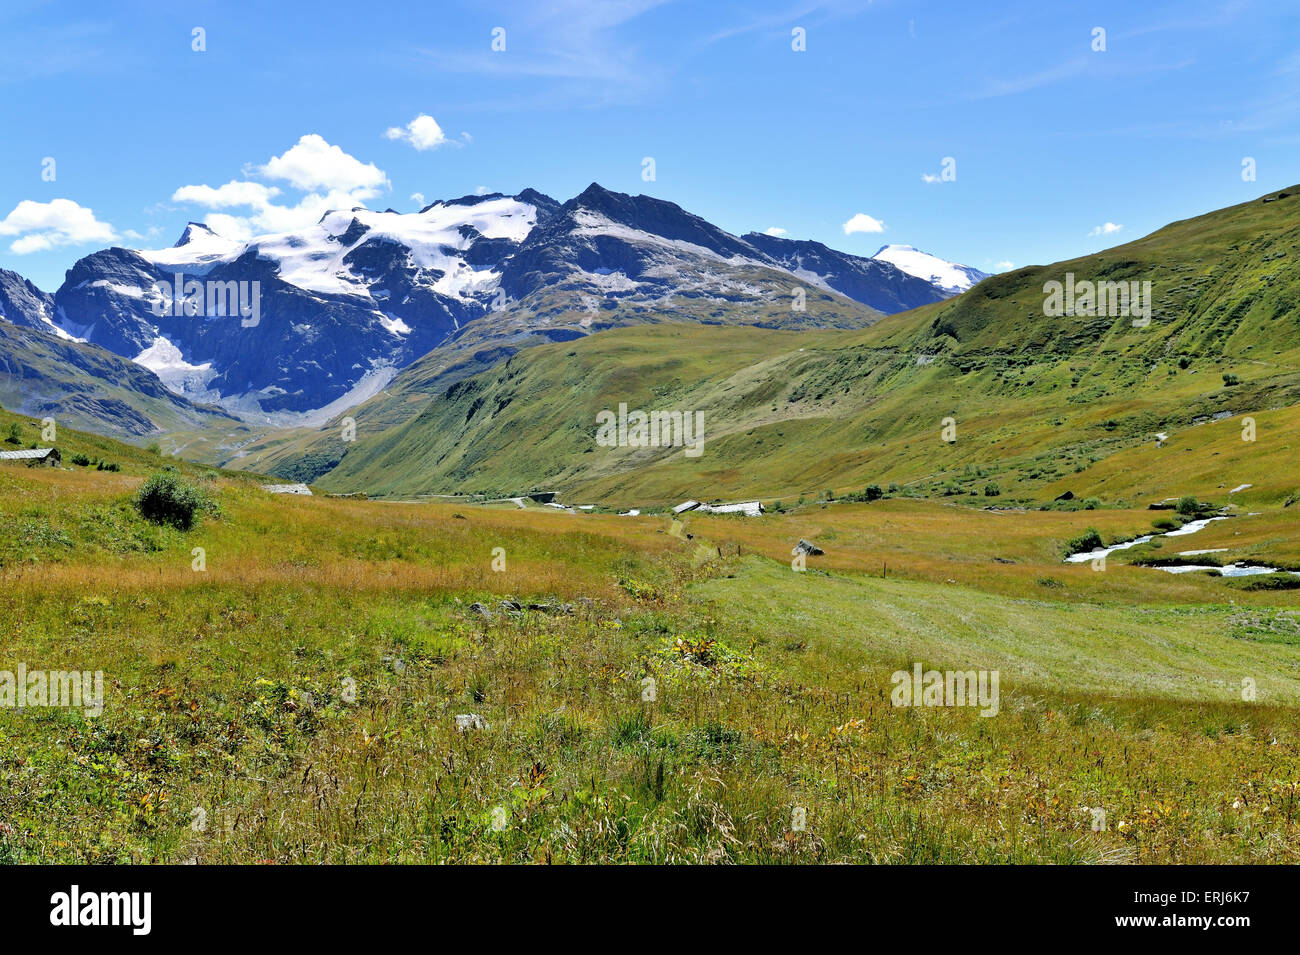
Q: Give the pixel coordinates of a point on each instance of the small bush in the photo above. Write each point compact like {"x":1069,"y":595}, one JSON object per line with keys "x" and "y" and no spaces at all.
{"x":166,"y":499}
{"x":1229,"y":379}
{"x":1089,"y":540}
{"x":874,"y":493}
{"x":80,"y":460}
{"x":1188,"y":506}
{"x":992,"y":490}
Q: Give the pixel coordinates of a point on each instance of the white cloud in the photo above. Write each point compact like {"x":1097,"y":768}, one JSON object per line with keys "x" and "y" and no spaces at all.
{"x":46,"y":225}
{"x":930,"y":177}
{"x":1004,"y":266}
{"x":422,"y":133}
{"x":773,"y":230}
{"x":232,"y":194}
{"x":229,"y":227}
{"x":863,"y":223}
{"x":418,"y":197}
{"x":481,"y":191}
{"x":331,"y":179}
{"x":312,"y":165}
{"x":1108,"y":228}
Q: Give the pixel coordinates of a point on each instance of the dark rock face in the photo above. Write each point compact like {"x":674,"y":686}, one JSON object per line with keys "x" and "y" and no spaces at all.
{"x":569,"y":239}
{"x":882,"y":286}
{"x":23,"y":303}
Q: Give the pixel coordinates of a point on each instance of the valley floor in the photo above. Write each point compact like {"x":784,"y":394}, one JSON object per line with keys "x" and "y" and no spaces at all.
{"x":667,"y":700}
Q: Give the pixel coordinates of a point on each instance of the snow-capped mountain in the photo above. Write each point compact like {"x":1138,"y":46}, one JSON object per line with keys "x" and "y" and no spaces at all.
{"x":346,"y":303}
{"x":950,"y":277}
{"x":342,"y":305}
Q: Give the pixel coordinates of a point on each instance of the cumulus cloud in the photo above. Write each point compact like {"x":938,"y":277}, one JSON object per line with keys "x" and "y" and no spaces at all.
{"x":773,"y":230}
{"x":418,"y":197}
{"x":1108,"y":228}
{"x":313,"y":165}
{"x":39,"y":226}
{"x":230,"y":195}
{"x":863,"y":223}
{"x":1004,"y":266}
{"x":421,"y":133}
{"x":330,"y":178}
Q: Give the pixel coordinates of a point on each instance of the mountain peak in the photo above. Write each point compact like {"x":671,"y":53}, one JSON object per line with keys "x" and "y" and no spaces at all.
{"x":192,"y":231}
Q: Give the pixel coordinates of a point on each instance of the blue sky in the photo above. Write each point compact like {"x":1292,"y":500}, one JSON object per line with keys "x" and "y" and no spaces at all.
{"x":292,"y":103}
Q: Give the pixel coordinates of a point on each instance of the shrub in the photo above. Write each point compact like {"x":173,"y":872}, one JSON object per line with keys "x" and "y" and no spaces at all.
{"x":1089,"y":540}
{"x":1229,"y":379}
{"x":80,"y":460}
{"x":874,"y":493}
{"x":15,"y":434}
{"x":992,"y":490}
{"x":166,"y":499}
{"x":1188,"y":506}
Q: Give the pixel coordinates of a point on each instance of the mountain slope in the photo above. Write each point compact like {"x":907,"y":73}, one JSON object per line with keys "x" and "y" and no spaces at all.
{"x":23,"y":304}
{"x":874,"y":282}
{"x":1034,"y":398}
{"x":87,"y":387}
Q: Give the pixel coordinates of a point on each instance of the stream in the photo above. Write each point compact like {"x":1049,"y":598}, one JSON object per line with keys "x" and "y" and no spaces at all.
{"x":1191,"y":527}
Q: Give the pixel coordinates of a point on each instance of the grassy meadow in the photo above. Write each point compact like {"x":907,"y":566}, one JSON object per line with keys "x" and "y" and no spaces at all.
{"x":296,"y":700}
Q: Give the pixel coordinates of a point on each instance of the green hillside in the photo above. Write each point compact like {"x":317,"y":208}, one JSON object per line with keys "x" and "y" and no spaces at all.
{"x":1037,"y":400}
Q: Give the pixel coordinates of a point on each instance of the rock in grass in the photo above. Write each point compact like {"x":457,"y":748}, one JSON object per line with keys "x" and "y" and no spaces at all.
{"x":481,"y":610}
{"x":470,"y":721}
{"x":808,"y":547}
